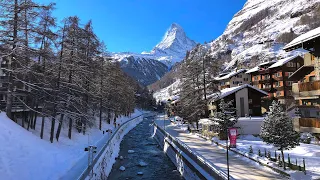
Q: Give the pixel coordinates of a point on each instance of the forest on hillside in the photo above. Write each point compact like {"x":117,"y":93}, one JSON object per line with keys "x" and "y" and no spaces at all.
{"x":60,"y":71}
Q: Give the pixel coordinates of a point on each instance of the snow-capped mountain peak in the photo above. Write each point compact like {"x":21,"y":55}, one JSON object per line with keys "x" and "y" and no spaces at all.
{"x":174,"y":33}
{"x":175,"y":43}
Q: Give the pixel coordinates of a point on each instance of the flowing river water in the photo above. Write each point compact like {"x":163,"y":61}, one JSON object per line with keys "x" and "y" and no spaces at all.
{"x":147,"y":158}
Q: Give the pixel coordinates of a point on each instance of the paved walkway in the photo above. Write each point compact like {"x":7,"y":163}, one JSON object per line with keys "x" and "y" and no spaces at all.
{"x":239,"y":168}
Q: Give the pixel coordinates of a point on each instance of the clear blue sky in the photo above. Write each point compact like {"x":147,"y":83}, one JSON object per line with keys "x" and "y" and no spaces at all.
{"x":138,"y":25}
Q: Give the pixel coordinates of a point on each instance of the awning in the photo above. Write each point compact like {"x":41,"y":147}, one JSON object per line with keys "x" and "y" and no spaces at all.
{"x":301,"y":72}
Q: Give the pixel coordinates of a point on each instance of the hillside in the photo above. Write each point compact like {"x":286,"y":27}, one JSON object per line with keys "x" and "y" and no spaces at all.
{"x":260,"y":30}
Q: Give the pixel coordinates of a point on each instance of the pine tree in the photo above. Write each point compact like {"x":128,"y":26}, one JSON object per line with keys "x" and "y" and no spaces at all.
{"x":277,"y":129}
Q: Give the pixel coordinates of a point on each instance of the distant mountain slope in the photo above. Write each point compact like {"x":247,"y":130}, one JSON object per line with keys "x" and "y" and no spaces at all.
{"x":145,"y":71}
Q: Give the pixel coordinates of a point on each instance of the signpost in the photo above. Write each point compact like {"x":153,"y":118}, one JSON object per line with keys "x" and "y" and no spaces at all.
{"x":233,"y":132}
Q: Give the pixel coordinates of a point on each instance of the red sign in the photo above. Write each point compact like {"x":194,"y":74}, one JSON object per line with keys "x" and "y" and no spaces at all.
{"x":233,"y":132}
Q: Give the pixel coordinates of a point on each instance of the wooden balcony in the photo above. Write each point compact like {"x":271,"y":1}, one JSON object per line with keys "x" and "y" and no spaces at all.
{"x":309,"y":86}
{"x":311,"y":125}
{"x":306,"y":89}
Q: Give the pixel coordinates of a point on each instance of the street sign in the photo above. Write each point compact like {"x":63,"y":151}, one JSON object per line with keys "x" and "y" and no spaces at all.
{"x":233,"y":132}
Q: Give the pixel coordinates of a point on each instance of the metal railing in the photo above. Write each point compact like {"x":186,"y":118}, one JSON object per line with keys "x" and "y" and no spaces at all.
{"x":196,"y":157}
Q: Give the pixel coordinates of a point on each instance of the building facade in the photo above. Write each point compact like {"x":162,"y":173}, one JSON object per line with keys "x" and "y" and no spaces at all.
{"x":245,"y":98}
{"x":233,"y":79}
{"x":307,"y":90}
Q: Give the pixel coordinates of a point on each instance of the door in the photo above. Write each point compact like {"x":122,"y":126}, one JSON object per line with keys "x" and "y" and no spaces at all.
{"x":242,"y":106}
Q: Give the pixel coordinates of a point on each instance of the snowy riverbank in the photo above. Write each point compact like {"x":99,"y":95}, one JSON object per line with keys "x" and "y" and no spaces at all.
{"x":23,"y":153}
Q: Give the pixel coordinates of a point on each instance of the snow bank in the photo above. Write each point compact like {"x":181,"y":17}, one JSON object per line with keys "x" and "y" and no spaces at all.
{"x":22,"y":152}
{"x":310,"y":152}
{"x":104,"y":165}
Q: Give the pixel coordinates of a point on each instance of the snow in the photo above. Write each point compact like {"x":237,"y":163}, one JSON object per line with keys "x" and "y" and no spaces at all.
{"x":255,"y":69}
{"x":130,"y":151}
{"x":142,"y":163}
{"x":310,"y":152}
{"x":231,"y":74}
{"x":281,"y":62}
{"x":207,"y":122}
{"x":304,"y":38}
{"x":258,"y":22}
{"x":170,"y":92}
{"x":22,"y":152}
{"x":227,"y":91}
{"x":122,"y":168}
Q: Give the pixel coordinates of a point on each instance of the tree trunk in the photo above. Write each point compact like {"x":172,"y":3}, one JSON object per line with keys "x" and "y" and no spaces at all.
{"x":284,"y":164}
{"x":28,"y":120}
{"x":84,"y":125}
{"x":22,"y":118}
{"x":109,"y":116}
{"x":70,"y":128}
{"x":59,"y":127}
{"x":52,"y":129}
{"x":35,"y":117}
{"x":100,"y":114}
{"x":10,"y":64}
{"x":42,"y":127}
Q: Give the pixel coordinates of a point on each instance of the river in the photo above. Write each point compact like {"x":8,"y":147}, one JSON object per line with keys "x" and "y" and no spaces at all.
{"x":147,"y":157}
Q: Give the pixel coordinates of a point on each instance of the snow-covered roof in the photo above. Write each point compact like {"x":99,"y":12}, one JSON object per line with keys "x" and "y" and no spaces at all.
{"x":226,"y":92}
{"x":231,"y":74}
{"x":281,"y":62}
{"x":253,"y":70}
{"x":303,"y":38}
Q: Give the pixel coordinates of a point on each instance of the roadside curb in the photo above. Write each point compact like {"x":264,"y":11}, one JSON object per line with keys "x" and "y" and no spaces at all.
{"x":244,"y":155}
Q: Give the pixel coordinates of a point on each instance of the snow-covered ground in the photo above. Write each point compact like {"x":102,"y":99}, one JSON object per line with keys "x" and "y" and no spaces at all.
{"x":310,"y":152}
{"x":23,"y":153}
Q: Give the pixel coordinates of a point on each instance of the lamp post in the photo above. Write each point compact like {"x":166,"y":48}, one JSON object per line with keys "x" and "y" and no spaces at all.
{"x":227,"y":152}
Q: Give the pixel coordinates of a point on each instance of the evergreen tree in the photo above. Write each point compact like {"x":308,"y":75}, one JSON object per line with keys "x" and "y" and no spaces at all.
{"x":277,"y":129}
{"x":226,"y":117}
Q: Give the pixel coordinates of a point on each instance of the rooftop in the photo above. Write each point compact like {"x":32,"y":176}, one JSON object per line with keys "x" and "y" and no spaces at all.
{"x":298,"y":42}
{"x":226,"y":92}
{"x":281,"y":62}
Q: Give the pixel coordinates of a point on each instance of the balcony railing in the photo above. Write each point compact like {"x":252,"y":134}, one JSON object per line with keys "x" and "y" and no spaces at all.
{"x":309,"y":122}
{"x":309,"y":86}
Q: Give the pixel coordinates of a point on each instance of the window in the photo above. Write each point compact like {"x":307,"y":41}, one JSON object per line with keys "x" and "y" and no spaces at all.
{"x":291,"y":64}
{"x":267,"y":76}
{"x":256,"y":78}
{"x":245,"y":79}
{"x":277,"y":84}
{"x":239,"y":76}
{"x":277,"y":74}
{"x":289,"y":83}
{"x":290,"y":73}
{"x":278,"y":93}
